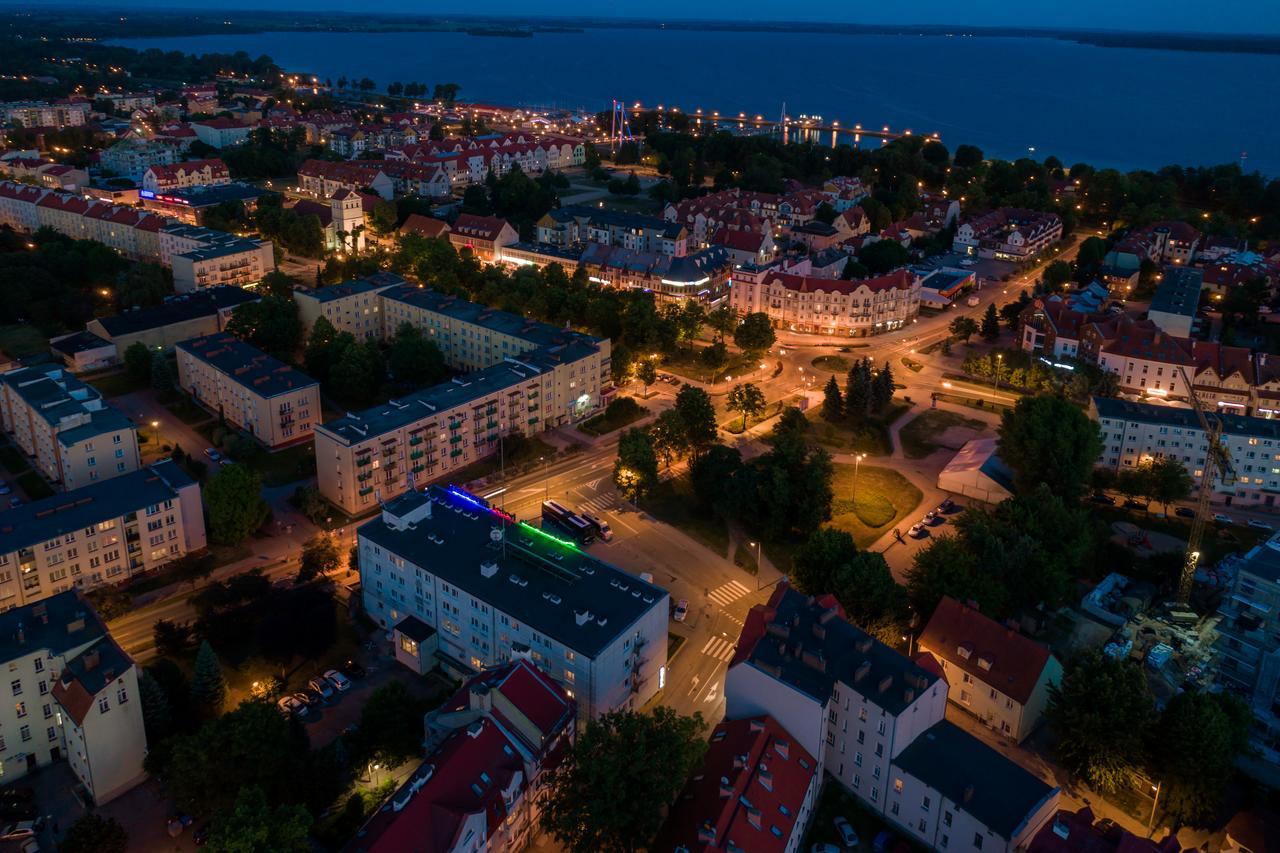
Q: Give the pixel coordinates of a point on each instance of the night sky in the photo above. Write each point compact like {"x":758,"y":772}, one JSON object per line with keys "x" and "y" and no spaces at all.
{"x":1235,"y":16}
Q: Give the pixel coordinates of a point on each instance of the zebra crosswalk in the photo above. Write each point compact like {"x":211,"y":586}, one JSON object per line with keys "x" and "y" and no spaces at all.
{"x":600,"y":503}
{"x":726,"y":594}
{"x":719,"y":648}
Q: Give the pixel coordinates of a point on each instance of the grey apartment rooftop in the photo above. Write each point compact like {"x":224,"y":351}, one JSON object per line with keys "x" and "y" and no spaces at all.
{"x":1179,"y":292}
{"x":354,"y":287}
{"x":45,"y":624}
{"x":245,"y":365}
{"x":178,"y":309}
{"x":1110,"y":408}
{"x":555,"y":589}
{"x":54,"y":394}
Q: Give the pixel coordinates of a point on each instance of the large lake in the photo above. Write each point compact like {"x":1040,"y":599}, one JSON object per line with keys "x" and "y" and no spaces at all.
{"x":1107,"y":106}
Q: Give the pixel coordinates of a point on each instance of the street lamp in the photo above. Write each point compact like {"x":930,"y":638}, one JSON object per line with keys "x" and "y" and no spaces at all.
{"x":546,"y":486}
{"x":999,"y":364}
{"x":857,"y":460}
{"x":155,"y":425}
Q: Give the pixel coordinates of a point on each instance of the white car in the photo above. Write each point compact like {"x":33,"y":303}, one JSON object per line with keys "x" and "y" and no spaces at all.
{"x":966,"y":262}
{"x":682,"y":610}
{"x":339,"y":681}
{"x":1259,"y":525}
{"x":848,"y":837}
{"x":917,"y":531}
{"x":1222,"y":519}
{"x":18,"y":831}
{"x":322,"y":686}
{"x":291,"y":706}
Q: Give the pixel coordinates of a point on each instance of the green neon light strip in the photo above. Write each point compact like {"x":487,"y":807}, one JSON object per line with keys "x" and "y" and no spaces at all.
{"x":566,"y":543}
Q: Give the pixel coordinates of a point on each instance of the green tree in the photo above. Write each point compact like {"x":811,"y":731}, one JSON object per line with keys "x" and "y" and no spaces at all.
{"x":235,"y":506}
{"x":723,"y":320}
{"x":254,"y":827}
{"x":391,"y":725}
{"x":670,"y":436}
{"x":747,"y":399}
{"x":963,"y":328}
{"x":1193,"y":750}
{"x":322,"y":349}
{"x":271,"y":324}
{"x":713,"y":475}
{"x":157,"y":714}
{"x":143,"y":284}
{"x":754,"y":334}
{"x":319,"y":556}
{"x":208,"y":688}
{"x":278,"y":284}
{"x":699,"y":416}
{"x":690,"y":320}
{"x":882,"y":388}
{"x":832,"y":401}
{"x":413,"y":359}
{"x":137,"y":362}
{"x":635,"y":471}
{"x":646,"y":373}
{"x":858,"y":393}
{"x":93,"y":833}
{"x":825,"y":213}
{"x":1101,"y":712}
{"x":991,"y":323}
{"x":357,"y":375}
{"x":883,"y":256}
{"x":161,"y":372}
{"x":611,"y":791}
{"x":1048,"y":440}
{"x":1169,"y":481}
{"x":1056,"y":276}
{"x":948,"y":566}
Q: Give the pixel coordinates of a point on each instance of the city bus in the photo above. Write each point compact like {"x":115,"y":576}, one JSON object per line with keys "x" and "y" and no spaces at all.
{"x":567,"y":520}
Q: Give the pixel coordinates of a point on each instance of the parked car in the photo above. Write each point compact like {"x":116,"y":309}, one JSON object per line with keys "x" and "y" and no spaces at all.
{"x":214,"y":456}
{"x":323,"y":687}
{"x":4,"y":488}
{"x":354,"y":669}
{"x":1185,"y":512}
{"x":339,"y":681}
{"x":313,"y":697}
{"x":18,"y":831}
{"x":1220,"y":518}
{"x":848,"y":837}
{"x":1130,"y":503}
{"x":1259,"y":525}
{"x":931,"y":518}
{"x":825,"y":848}
{"x":966,"y":262}
{"x":682,"y":610}
{"x":291,"y":706}
{"x":947,"y":505}
{"x":1103,"y":499}
{"x":917,"y":531}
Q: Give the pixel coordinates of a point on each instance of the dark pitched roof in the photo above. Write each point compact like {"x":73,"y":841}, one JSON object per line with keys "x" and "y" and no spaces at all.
{"x":178,"y":309}
{"x":995,"y":655}
{"x":975,"y":777}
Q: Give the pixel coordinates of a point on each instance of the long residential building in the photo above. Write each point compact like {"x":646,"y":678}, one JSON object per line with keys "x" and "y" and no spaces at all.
{"x":105,"y":533}
{"x":352,"y":306}
{"x":190,"y":173}
{"x":71,"y":434}
{"x":524,"y":377}
{"x":496,"y":590}
{"x":1134,"y":433}
{"x":825,"y":306}
{"x":276,"y":404}
{"x":875,"y":721}
{"x":177,"y":318}
{"x":75,"y":697}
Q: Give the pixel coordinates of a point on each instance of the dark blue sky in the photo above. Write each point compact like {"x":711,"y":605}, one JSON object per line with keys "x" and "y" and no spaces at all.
{"x":1235,"y":16}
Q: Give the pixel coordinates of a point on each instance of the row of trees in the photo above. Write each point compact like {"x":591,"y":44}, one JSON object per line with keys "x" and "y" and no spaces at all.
{"x":868,"y":392}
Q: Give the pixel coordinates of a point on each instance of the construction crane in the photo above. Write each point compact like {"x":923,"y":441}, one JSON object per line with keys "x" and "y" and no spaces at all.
{"x":1215,"y":457}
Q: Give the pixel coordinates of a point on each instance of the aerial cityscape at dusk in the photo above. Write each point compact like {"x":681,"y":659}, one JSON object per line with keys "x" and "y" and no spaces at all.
{"x":689,"y":429}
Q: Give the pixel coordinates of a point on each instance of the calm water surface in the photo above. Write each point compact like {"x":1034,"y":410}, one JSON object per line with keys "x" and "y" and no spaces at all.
{"x":1107,"y":106}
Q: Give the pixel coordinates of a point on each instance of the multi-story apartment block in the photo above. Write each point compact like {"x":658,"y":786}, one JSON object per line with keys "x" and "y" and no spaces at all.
{"x":824,"y":306}
{"x":566,"y":226}
{"x":105,"y":533}
{"x":352,"y":306}
{"x":1133,"y":433}
{"x":483,"y":236}
{"x":1008,"y":234}
{"x":202,"y":257}
{"x":74,"y":437}
{"x":221,"y":132}
{"x":526,"y":377}
{"x":1148,"y":361}
{"x":41,"y":114}
{"x":178,"y":318}
{"x":276,"y":404}
{"x":74,"y":696}
{"x":875,"y":721}
{"x":127,"y":102}
{"x":180,"y":176}
{"x":1177,"y":301}
{"x":1248,"y":644}
{"x":994,"y":672}
{"x":702,"y":275}
{"x":1166,"y":242}
{"x":490,"y":750}
{"x":131,"y":232}
{"x":496,"y":590}
{"x":754,"y":792}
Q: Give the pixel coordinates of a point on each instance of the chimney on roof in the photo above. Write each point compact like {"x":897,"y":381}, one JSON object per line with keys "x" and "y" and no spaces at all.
{"x":76,"y":625}
{"x":968,"y":793}
{"x":885,"y":683}
{"x":863,"y":670}
{"x":20,"y":635}
{"x":91,"y":660}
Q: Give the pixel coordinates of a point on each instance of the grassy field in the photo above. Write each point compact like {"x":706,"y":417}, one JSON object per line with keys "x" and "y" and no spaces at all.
{"x":733,"y":426}
{"x":690,"y":366}
{"x":185,"y":410}
{"x":872,"y":439}
{"x":881,"y":499}
{"x":674,"y":503}
{"x":22,"y":340}
{"x":919,"y":436}
{"x":115,"y":384}
{"x":602,"y":424}
{"x":284,"y":466}
{"x":974,"y":402}
{"x":833,"y":363}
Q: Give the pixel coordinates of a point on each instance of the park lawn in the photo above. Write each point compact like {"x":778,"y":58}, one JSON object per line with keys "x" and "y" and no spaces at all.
{"x":116,"y":384}
{"x":185,"y":409}
{"x":871,"y":439}
{"x":602,"y":424}
{"x":34,"y":485}
{"x":283,"y":466}
{"x":690,"y":366}
{"x":919,"y":435}
{"x":733,"y":426}
{"x":974,"y":402}
{"x":674,"y":503}
{"x":21,"y":340}
{"x":833,"y":364}
{"x":882,"y":499}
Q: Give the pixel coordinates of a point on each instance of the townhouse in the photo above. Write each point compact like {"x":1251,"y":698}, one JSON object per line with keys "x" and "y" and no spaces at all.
{"x":352,"y":306}
{"x":43,"y":173}
{"x":104,"y":533}
{"x":754,"y":792}
{"x":802,"y":303}
{"x":323,"y":179}
{"x":1008,"y":234}
{"x":703,"y":275}
{"x":65,"y":427}
{"x":1238,"y":269}
{"x":875,"y":721}
{"x":490,"y":751}
{"x":496,"y":590}
{"x":1050,"y":326}
{"x":276,"y":404}
{"x":1149,"y":362}
{"x":567,"y":226}
{"x":745,"y":247}
{"x":202,"y":257}
{"x":1167,"y":242}
{"x":177,"y":318}
{"x":483,"y":236}
{"x":732,"y":209}
{"x":1133,"y":433}
{"x":184,"y":175}
{"x":75,"y":697}
{"x":843,"y":192}
{"x":523,"y":377}
{"x":992,"y":671}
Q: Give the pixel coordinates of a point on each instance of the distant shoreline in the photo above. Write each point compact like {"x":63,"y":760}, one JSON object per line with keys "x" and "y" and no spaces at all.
{"x":173,"y":23}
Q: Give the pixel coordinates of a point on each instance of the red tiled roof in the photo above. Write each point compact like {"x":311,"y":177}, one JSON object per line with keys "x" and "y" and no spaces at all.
{"x":897,"y":280}
{"x":742,"y":241}
{"x":424,"y":226}
{"x":172,"y":171}
{"x":478,"y":227}
{"x":1015,"y":661}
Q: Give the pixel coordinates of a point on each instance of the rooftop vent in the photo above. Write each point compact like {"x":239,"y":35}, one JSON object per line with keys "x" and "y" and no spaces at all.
{"x":488,"y":569}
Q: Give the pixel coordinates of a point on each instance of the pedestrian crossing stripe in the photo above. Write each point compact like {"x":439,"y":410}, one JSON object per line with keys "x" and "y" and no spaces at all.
{"x":599,"y":504}
{"x":726,"y":594}
{"x":719,"y":648}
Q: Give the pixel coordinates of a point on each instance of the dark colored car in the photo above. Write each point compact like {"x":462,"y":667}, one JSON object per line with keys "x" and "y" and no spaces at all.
{"x":201,"y":835}
{"x":1185,"y":512}
{"x":1103,"y":499}
{"x":1132,"y":504}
